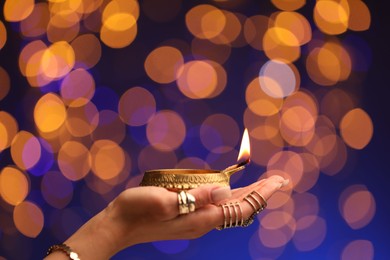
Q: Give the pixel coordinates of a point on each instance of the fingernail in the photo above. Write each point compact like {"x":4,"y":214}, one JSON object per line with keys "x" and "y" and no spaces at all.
{"x":284,"y":183}
{"x":221,"y":193}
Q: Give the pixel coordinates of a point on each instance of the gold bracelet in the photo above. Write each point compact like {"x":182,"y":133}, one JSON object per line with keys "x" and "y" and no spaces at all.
{"x":63,"y":248}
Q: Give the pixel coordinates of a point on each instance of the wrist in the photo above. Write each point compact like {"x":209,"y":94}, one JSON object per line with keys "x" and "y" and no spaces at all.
{"x":64,"y":250}
{"x":95,"y":239}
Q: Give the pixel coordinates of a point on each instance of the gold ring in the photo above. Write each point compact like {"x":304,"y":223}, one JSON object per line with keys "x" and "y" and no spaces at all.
{"x":250,"y":203}
{"x":241,"y":214}
{"x":257,"y":201}
{"x":186,"y":202}
{"x":191,"y":202}
{"x":225,"y":212}
{"x":262,"y":198}
{"x":183,"y":205}
{"x":228,"y":210}
{"x":235,"y":214}
{"x":252,"y":200}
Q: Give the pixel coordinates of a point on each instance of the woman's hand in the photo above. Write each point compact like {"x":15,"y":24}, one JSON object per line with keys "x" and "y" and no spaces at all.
{"x":145,"y":214}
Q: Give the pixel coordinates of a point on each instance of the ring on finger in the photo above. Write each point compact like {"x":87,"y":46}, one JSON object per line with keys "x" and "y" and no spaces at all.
{"x":186,"y":202}
{"x":231,"y":211}
{"x":191,"y":202}
{"x":254,"y":198}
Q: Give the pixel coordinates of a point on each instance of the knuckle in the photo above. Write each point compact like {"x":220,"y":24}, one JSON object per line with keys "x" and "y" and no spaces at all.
{"x":201,"y":199}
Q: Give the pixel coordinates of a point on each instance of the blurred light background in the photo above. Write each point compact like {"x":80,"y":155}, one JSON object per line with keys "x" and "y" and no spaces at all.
{"x":95,"y":92}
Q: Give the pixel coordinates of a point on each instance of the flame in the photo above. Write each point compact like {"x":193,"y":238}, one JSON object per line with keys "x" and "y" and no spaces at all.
{"x":245,"y":149}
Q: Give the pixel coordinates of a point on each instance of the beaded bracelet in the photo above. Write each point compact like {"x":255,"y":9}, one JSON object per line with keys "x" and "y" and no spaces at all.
{"x":64,"y":248}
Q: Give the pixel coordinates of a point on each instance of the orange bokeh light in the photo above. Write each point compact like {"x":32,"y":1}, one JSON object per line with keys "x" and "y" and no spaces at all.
{"x":28,"y":219}
{"x":162,"y":64}
{"x":14,"y":185}
{"x":356,"y":128}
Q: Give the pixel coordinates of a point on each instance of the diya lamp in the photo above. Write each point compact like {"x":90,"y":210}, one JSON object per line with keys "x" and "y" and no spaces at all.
{"x":185,"y":179}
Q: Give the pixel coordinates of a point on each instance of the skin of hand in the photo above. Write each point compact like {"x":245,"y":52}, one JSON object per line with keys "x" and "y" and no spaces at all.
{"x":145,"y":214}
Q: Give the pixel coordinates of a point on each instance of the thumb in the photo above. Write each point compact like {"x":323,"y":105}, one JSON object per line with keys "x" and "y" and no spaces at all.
{"x":210,"y":194}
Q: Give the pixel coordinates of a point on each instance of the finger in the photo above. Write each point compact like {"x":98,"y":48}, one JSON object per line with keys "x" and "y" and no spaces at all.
{"x":235,"y":211}
{"x":240,"y":192}
{"x":271,"y":185}
{"x":210,"y":194}
{"x":257,"y":201}
{"x":251,"y":201}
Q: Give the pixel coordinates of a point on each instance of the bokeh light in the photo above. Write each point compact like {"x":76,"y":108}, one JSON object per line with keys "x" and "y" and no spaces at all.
{"x":25,"y":150}
{"x":288,"y":5}
{"x":87,"y":49}
{"x":358,"y":249}
{"x":262,"y":128}
{"x":74,"y":160}
{"x":8,"y":129}
{"x":277,"y":228}
{"x":108,"y":159}
{"x":150,"y":158}
{"x":281,"y":44}
{"x":36,"y":23}
{"x":219,"y":133}
{"x":263,"y":150}
{"x":14,"y":185}
{"x":49,"y":113}
{"x":5,"y":83}
{"x":259,"y":102}
{"x":278,"y":79}
{"x":356,"y":128}
{"x":192,"y":163}
{"x":231,"y":29}
{"x":357,"y":206}
{"x":332,"y":16}
{"x":28,"y":218}
{"x":15,"y":11}
{"x":82,"y":121}
{"x":329,"y":64}
{"x":3,"y":35}
{"x":211,"y":84}
{"x":359,"y":17}
{"x":311,"y":232}
{"x":205,"y":21}
{"x":77,"y":88}
{"x":119,"y":23}
{"x":136,"y":106}
{"x":57,"y":60}
{"x":296,"y":23}
{"x":26,"y":60}
{"x":310,"y":174}
{"x":166,"y":130}
{"x":335,"y":104}
{"x":63,"y":25}
{"x":162,"y":64}
{"x":297,"y":126}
